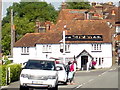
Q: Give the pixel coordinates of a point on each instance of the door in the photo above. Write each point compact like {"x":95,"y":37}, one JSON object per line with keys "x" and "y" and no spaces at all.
{"x":84,"y":60}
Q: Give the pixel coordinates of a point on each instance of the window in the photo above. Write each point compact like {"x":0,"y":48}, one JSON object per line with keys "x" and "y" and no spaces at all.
{"x":96,"y":60}
{"x":67,"y":48}
{"x":96,"y":47}
{"x":25,"y":51}
{"x":102,"y":60}
{"x":99,"y":61}
{"x":47,"y":49}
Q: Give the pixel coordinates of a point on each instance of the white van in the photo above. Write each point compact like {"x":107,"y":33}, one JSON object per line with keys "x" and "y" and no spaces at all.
{"x":39,"y":74}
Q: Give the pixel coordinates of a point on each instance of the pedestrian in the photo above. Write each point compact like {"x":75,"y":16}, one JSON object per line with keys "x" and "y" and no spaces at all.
{"x":75,"y":65}
{"x":71,"y":74}
{"x":68,"y":68}
{"x":93,"y":64}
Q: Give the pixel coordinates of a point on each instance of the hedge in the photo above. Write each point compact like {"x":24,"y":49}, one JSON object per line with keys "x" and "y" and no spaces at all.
{"x":15,"y":70}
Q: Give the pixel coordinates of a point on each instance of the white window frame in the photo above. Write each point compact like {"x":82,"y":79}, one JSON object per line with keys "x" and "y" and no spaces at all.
{"x":96,"y":47}
{"x":67,"y":48}
{"x":25,"y":51}
{"x":47,"y":48}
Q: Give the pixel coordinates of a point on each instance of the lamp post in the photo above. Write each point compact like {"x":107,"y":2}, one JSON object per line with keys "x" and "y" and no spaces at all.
{"x":64,"y":47}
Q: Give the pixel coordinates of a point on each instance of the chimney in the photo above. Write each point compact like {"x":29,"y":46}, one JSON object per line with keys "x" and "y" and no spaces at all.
{"x":47,"y":25}
{"x":110,"y":3}
{"x":93,"y":3}
{"x":86,"y":15}
{"x":113,"y":12}
{"x":64,"y":5}
{"x":37,"y":25}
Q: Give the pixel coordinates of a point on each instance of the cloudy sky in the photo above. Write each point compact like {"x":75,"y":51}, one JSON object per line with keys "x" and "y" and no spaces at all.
{"x":56,"y":3}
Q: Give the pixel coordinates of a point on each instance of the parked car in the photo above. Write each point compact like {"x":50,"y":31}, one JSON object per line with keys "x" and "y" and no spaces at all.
{"x":39,"y":74}
{"x":62,"y":74}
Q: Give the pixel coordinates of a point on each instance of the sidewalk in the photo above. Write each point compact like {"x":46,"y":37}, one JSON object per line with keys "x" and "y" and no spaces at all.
{"x":114,"y":66}
{"x":11,"y":85}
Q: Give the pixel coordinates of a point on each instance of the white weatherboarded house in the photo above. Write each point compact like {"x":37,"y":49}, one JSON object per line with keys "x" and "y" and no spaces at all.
{"x":86,"y":40}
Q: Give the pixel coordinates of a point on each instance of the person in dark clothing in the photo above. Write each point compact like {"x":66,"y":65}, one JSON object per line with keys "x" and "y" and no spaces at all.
{"x":68,"y":68}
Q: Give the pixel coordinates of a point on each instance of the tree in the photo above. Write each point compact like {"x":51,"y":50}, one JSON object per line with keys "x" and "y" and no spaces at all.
{"x":25,"y":15}
{"x":78,"y":4}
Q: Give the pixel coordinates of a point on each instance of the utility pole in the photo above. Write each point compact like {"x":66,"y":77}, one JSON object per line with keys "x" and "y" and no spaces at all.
{"x":12,"y":33}
{"x":64,"y":47}
{"x":0,"y":29}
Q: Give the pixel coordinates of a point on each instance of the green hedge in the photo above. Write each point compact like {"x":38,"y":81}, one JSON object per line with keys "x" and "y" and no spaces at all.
{"x":15,"y":70}
{"x":3,"y":75}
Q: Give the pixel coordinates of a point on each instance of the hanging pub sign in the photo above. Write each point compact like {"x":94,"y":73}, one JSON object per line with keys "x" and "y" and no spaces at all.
{"x":83,"y":37}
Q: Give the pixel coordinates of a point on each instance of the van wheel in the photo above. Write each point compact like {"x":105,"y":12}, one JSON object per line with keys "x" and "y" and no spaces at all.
{"x":65,"y":83}
{"x":54,"y":88}
{"x":23,"y":88}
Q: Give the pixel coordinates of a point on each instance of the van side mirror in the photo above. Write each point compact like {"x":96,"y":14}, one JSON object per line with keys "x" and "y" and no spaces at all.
{"x":23,"y":65}
{"x":57,"y":68}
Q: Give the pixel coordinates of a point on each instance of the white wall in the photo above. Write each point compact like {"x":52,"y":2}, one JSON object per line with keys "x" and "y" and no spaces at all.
{"x":18,"y":58}
{"x":75,"y":49}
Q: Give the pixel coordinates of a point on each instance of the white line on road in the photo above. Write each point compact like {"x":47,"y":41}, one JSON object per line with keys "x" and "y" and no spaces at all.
{"x":90,"y":80}
{"x":94,"y":78}
{"x":78,"y":86}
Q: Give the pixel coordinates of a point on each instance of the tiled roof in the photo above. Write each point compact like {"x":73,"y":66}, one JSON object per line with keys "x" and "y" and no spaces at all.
{"x":79,"y":14}
{"x":72,"y":27}
{"x":31,"y":39}
{"x":86,"y":27}
{"x":71,"y":14}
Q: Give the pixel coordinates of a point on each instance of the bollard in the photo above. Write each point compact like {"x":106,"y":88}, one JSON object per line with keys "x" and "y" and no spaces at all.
{"x":9,"y":74}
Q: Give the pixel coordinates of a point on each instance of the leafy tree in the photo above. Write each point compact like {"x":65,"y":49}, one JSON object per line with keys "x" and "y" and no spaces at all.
{"x":78,"y":4}
{"x":25,"y":15}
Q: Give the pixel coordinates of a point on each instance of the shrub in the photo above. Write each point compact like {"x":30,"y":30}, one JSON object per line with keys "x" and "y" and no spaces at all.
{"x":15,"y":70}
{"x":3,"y":75}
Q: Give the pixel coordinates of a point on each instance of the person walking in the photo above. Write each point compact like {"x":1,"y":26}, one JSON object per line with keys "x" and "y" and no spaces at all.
{"x":68,"y":68}
{"x":71,"y":73}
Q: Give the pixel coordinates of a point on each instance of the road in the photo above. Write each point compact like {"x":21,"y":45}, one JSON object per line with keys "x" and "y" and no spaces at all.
{"x":100,"y":78}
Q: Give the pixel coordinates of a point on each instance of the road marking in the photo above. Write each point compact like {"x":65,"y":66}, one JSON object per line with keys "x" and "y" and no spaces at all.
{"x":78,"y":86}
{"x":99,"y":75}
{"x":94,"y":78}
{"x":114,"y":68}
{"x":103,"y":73}
{"x":90,"y":80}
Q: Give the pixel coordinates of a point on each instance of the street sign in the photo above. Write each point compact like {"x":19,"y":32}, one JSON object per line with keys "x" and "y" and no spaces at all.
{"x":83,"y":37}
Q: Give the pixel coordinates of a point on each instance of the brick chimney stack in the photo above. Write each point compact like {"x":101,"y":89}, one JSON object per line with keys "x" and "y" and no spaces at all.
{"x":64,"y":5}
{"x":93,"y":3}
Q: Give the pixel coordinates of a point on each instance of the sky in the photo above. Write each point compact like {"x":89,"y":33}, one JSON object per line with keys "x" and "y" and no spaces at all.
{"x":55,"y":3}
